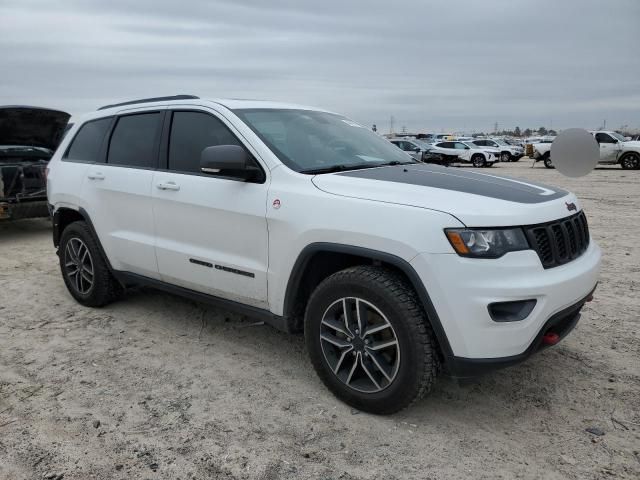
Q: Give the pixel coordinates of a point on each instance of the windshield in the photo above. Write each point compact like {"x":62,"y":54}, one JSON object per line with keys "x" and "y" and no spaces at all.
{"x":471,"y":145}
{"x":617,"y":136}
{"x":501,"y":142}
{"x":308,"y":141}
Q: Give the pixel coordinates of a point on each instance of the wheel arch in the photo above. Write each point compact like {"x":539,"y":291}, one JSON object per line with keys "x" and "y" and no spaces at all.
{"x":319,"y":260}
{"x":65,"y":216}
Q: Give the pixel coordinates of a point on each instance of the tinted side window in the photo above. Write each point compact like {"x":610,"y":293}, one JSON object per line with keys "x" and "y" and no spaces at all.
{"x":85,"y":147}
{"x":446,"y":145}
{"x":134,"y":139}
{"x":192,"y":132}
{"x":481,"y":143}
{"x":604,"y":138}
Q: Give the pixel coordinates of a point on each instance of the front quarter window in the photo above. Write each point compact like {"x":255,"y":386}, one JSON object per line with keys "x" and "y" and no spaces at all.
{"x":307,"y":140}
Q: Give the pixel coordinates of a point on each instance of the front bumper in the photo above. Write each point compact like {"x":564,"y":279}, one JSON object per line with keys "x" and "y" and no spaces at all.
{"x":462,"y":288}
{"x":562,"y":323}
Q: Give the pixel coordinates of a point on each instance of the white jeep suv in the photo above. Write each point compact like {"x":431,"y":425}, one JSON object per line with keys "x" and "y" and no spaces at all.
{"x":393,"y":269}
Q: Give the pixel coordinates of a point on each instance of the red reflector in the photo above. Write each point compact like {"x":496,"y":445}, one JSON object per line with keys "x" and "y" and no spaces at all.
{"x":550,"y":338}
{"x":589,"y":298}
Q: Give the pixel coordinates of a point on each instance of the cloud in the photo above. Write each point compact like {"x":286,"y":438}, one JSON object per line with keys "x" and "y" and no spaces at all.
{"x":432,"y":65}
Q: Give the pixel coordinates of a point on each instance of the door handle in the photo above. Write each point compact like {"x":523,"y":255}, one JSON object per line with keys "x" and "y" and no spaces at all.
{"x":96,"y":176}
{"x":168,"y":186}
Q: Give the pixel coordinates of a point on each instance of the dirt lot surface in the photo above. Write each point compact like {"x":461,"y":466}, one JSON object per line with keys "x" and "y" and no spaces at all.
{"x":155,"y":386}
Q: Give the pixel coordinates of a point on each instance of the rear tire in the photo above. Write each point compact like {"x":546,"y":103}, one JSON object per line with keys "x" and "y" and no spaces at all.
{"x":380,"y":356}
{"x":547,"y":161}
{"x":84,"y":269}
{"x":478,"y":160}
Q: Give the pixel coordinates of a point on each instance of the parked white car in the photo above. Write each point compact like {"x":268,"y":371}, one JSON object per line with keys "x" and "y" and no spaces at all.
{"x":393,"y":269}
{"x":466,"y":152}
{"x":614,"y":149}
{"x":506,"y":152}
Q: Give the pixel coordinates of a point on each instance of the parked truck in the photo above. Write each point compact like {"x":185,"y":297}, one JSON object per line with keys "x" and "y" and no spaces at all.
{"x":614,"y":149}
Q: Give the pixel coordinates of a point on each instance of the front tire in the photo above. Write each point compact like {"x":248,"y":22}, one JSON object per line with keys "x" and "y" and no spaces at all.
{"x":631,"y":161}
{"x":505,"y":157}
{"x":369,"y":339}
{"x":478,"y":161}
{"x":84,"y":269}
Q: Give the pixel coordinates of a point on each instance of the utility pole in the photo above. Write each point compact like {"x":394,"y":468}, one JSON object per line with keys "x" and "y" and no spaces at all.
{"x":391,"y":120}
{"x":495,"y":127}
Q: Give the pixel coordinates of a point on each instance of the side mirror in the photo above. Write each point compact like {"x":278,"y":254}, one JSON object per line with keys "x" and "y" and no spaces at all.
{"x":230,"y":161}
{"x":417,"y":150}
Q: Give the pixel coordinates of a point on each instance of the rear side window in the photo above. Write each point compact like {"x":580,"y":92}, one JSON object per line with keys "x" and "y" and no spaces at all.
{"x":87,"y":143}
{"x":134,"y":140}
{"x":192,"y":132}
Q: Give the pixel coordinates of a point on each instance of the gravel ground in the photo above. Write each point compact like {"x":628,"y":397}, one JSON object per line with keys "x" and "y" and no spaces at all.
{"x":155,"y":386}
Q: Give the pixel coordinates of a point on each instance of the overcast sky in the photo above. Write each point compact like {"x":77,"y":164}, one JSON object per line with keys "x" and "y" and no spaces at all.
{"x":453,"y":65}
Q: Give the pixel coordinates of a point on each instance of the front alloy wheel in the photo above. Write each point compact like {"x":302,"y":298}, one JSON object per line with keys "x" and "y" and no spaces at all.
{"x":478,"y":161}
{"x":630,"y":161}
{"x":370,"y":340}
{"x":360,"y":345}
{"x":505,"y":157}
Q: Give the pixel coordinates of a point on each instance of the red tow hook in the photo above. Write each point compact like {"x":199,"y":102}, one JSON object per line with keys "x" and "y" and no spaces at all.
{"x":550,"y":338}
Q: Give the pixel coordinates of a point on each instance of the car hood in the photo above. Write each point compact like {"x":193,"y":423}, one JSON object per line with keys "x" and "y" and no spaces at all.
{"x":635,"y":144}
{"x":476,"y":199}
{"x":32,"y":126}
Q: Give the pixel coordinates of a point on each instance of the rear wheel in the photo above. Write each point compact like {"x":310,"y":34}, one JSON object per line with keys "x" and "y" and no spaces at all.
{"x":630,"y":161}
{"x":84,"y":270}
{"x":369,"y":339}
{"x":547,"y":161}
{"x":478,"y":160}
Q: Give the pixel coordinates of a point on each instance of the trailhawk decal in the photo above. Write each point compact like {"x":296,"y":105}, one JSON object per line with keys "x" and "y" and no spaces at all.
{"x":448,"y":178}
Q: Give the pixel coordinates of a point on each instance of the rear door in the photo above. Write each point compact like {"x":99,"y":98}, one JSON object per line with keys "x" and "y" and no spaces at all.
{"x":211,"y":232}
{"x":117,"y":191}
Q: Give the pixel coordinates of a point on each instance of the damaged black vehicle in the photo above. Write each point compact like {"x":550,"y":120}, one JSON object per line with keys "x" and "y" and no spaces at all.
{"x":28,"y":138}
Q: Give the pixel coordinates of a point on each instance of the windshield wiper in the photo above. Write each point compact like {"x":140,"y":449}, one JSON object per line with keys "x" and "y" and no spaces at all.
{"x":338,"y":168}
{"x":395,"y":162}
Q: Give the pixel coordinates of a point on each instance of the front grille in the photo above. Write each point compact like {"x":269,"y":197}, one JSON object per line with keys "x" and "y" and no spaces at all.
{"x":560,"y":241}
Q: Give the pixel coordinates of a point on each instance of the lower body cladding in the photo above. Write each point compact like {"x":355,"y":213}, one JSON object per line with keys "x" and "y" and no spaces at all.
{"x":497,"y":312}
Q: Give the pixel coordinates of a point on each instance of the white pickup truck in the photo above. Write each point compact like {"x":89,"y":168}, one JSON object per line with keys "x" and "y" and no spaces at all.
{"x":614,"y":149}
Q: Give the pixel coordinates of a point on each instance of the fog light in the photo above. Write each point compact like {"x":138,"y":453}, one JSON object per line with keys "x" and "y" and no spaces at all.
{"x":511,"y":311}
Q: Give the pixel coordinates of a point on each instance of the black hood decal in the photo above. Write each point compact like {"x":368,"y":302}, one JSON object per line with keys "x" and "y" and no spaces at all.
{"x":32,"y":126}
{"x":459,"y":180}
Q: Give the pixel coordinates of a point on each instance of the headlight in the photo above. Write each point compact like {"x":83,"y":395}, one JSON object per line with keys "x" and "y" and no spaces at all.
{"x":482,"y":243}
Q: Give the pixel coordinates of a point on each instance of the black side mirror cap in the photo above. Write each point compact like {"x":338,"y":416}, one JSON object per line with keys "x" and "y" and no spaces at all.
{"x":231,"y":161}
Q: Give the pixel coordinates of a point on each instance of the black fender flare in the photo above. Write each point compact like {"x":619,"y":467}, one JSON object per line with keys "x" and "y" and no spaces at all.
{"x":405,"y":267}
{"x":57,"y":233}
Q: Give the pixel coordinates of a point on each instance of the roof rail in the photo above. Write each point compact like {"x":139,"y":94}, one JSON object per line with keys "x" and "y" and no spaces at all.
{"x":154,"y":99}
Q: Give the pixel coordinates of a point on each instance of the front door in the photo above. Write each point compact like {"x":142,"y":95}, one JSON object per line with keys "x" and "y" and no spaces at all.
{"x":608,"y":147}
{"x":211,"y":232}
